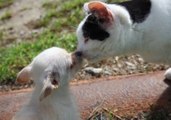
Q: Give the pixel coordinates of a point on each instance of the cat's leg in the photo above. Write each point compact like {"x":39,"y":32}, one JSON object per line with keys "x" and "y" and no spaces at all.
{"x":167,"y":75}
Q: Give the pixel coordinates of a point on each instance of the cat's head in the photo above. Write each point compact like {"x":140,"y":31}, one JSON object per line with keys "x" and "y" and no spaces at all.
{"x":100,"y":29}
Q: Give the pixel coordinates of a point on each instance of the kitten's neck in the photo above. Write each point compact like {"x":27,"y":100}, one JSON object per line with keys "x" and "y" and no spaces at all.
{"x":128,"y":41}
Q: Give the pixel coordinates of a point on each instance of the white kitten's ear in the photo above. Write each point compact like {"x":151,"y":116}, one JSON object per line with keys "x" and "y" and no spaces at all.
{"x":49,"y":84}
{"x":24,"y":75}
{"x":99,"y":9}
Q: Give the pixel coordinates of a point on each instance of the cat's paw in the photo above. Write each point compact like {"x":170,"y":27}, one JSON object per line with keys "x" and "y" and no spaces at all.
{"x":167,"y":75}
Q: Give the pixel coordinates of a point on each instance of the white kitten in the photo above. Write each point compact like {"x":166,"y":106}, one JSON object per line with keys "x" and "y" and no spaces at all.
{"x":51,"y":99}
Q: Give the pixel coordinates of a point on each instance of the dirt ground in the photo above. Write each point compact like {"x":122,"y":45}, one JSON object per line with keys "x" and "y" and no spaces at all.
{"x":118,"y":96}
{"x":22,"y":13}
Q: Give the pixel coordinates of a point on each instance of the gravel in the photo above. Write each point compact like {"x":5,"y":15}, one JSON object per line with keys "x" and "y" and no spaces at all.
{"x":116,"y":66}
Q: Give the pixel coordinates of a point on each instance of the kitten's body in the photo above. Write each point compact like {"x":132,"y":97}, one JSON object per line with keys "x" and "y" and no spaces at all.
{"x":150,"y":37}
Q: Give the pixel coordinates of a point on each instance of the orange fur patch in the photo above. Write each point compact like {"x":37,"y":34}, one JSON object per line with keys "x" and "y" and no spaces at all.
{"x":100,"y":9}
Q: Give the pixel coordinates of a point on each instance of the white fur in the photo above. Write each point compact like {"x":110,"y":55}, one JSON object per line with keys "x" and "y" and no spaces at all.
{"x":151,"y":38}
{"x":60,"y":104}
{"x":168,"y":74}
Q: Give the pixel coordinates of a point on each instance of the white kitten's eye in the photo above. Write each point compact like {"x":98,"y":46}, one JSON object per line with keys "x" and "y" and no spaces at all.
{"x":54,"y":82}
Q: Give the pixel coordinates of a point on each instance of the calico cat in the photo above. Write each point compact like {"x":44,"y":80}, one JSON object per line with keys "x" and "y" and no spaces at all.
{"x":136,"y":26}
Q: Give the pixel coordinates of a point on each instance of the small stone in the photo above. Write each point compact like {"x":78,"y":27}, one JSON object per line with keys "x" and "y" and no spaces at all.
{"x":117,"y":58}
{"x":130,"y":65}
{"x":93,"y":71}
{"x":115,"y":69}
{"x":107,"y":73}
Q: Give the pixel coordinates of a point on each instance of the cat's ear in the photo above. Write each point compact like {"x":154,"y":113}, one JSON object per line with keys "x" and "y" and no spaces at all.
{"x":24,"y":76}
{"x":50,"y":83}
{"x":100,"y":10}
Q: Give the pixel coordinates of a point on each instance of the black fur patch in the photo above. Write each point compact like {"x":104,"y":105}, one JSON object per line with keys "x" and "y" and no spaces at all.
{"x":138,"y":9}
{"x":93,"y":30}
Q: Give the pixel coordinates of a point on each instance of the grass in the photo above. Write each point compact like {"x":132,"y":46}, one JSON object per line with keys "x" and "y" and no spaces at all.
{"x":5,"y":3}
{"x":7,"y":15}
{"x":1,"y":35}
{"x":103,"y":114}
{"x":60,"y":23}
{"x":152,"y":114}
{"x":16,"y":57}
{"x":66,"y":15}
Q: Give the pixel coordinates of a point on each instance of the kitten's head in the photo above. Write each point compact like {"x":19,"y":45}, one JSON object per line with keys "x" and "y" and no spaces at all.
{"x":51,"y":69}
{"x":99,"y":30}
